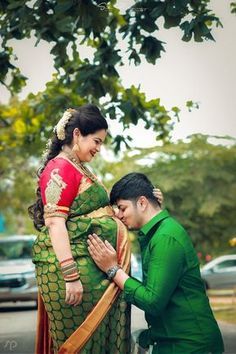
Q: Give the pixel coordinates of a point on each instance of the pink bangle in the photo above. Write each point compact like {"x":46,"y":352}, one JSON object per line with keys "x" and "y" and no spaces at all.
{"x":66,"y":260}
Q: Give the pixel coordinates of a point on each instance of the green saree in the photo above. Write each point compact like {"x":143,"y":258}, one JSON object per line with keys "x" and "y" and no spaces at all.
{"x":89,"y":213}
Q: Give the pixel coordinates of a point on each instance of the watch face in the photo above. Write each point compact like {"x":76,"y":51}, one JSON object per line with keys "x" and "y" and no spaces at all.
{"x":112,"y":272}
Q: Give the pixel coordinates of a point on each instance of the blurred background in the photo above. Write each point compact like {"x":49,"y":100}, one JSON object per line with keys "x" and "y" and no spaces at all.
{"x":163,"y":73}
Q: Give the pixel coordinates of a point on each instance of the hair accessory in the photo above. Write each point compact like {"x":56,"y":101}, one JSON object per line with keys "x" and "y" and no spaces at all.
{"x":60,"y":127}
{"x":47,"y":149}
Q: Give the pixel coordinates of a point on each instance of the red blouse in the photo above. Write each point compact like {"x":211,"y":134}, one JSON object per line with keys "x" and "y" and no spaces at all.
{"x":59,"y":184}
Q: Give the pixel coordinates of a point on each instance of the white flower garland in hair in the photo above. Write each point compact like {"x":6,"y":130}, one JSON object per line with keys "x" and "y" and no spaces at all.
{"x":46,"y":151}
{"x":60,"y":127}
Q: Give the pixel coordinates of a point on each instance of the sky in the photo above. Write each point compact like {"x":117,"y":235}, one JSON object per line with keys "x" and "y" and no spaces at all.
{"x":202,"y":72}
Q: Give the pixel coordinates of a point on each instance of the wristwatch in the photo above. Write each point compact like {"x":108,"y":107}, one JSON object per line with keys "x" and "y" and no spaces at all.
{"x":112,"y":271}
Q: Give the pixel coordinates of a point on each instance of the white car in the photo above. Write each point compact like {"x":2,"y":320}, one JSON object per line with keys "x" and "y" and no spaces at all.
{"x":136,"y":266}
{"x":220,"y":273}
{"x":17,"y":272}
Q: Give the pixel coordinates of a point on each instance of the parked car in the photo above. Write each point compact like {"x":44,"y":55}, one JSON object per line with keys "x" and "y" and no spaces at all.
{"x":17,"y":272}
{"x":136,"y":266}
{"x":220,"y":272}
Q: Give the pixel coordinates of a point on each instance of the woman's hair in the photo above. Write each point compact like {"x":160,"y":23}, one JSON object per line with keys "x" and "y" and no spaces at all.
{"x":89,"y":120}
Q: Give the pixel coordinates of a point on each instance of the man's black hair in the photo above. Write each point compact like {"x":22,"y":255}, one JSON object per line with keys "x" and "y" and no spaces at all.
{"x":131,"y":187}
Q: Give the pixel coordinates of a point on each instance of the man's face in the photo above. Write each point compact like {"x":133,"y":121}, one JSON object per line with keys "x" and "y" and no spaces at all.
{"x":129,"y":213}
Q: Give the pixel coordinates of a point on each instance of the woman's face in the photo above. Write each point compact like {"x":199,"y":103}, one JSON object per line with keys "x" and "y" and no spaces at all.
{"x":90,"y":144}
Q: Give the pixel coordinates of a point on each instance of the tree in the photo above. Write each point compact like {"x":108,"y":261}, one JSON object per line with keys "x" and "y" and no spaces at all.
{"x":18,"y":182}
{"x":198,"y":180}
{"x":67,"y":24}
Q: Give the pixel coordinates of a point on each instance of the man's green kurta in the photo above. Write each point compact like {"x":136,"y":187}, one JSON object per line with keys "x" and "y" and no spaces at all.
{"x":172,"y":294}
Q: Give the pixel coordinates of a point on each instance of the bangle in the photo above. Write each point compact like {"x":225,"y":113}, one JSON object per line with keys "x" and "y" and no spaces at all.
{"x":66,"y":260}
{"x":112,"y":272}
{"x":70,"y":272}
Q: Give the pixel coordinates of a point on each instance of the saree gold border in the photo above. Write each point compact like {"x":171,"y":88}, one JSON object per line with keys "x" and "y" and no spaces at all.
{"x":106,"y":211}
{"x":84,"y":184}
{"x":43,"y":341}
{"x":79,"y":338}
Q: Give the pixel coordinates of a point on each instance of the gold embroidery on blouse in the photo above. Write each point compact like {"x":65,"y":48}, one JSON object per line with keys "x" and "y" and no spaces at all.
{"x":53,"y":191}
{"x":51,"y":208}
{"x":56,"y":213}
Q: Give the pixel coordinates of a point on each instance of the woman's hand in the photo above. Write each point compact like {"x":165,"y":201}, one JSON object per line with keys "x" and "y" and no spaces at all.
{"x":158,"y":194}
{"x":74,"y":293}
{"x":103,"y":254}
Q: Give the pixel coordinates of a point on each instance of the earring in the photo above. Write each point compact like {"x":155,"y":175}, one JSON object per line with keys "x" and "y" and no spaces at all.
{"x":76,"y":148}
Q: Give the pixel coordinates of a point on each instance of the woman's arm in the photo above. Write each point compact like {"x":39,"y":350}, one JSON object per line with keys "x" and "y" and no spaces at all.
{"x":61,"y":246}
{"x":59,"y":237}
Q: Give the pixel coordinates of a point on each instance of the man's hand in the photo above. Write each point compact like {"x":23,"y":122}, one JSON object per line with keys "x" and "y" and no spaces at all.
{"x":103,"y":254}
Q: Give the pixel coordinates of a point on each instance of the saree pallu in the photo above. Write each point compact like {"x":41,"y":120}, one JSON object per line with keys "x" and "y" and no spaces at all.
{"x":101,"y":323}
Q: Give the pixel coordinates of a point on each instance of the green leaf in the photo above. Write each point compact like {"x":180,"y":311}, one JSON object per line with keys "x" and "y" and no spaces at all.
{"x":187,"y":28}
{"x":15,"y":4}
{"x":148,"y":25}
{"x":190,"y":105}
{"x":158,"y":10}
{"x":135,"y":57}
{"x":171,"y":21}
{"x":152,"y":49}
{"x":65,"y":24}
{"x":176,"y":8}
{"x":18,"y":82}
{"x":233,"y":7}
{"x":63,"y":5}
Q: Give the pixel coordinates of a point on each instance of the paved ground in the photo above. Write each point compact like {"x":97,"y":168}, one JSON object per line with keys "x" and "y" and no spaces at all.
{"x":18,"y":323}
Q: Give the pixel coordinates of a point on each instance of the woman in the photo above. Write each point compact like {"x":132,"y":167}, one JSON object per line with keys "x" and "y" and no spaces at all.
{"x":87,"y":313}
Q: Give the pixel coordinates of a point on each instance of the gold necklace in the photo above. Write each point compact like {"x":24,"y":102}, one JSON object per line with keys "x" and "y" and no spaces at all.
{"x":80,"y":166}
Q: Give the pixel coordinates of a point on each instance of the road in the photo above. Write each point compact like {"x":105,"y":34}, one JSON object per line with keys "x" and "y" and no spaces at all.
{"x":18,"y":323}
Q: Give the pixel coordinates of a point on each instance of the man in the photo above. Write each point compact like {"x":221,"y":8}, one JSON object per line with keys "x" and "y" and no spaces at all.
{"x":172,"y":293}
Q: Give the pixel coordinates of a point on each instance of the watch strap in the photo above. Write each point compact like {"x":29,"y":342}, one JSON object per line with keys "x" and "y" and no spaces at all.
{"x":112,"y":271}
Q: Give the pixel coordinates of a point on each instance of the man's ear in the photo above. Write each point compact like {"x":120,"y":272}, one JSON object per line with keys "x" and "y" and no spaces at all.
{"x":142,"y":202}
